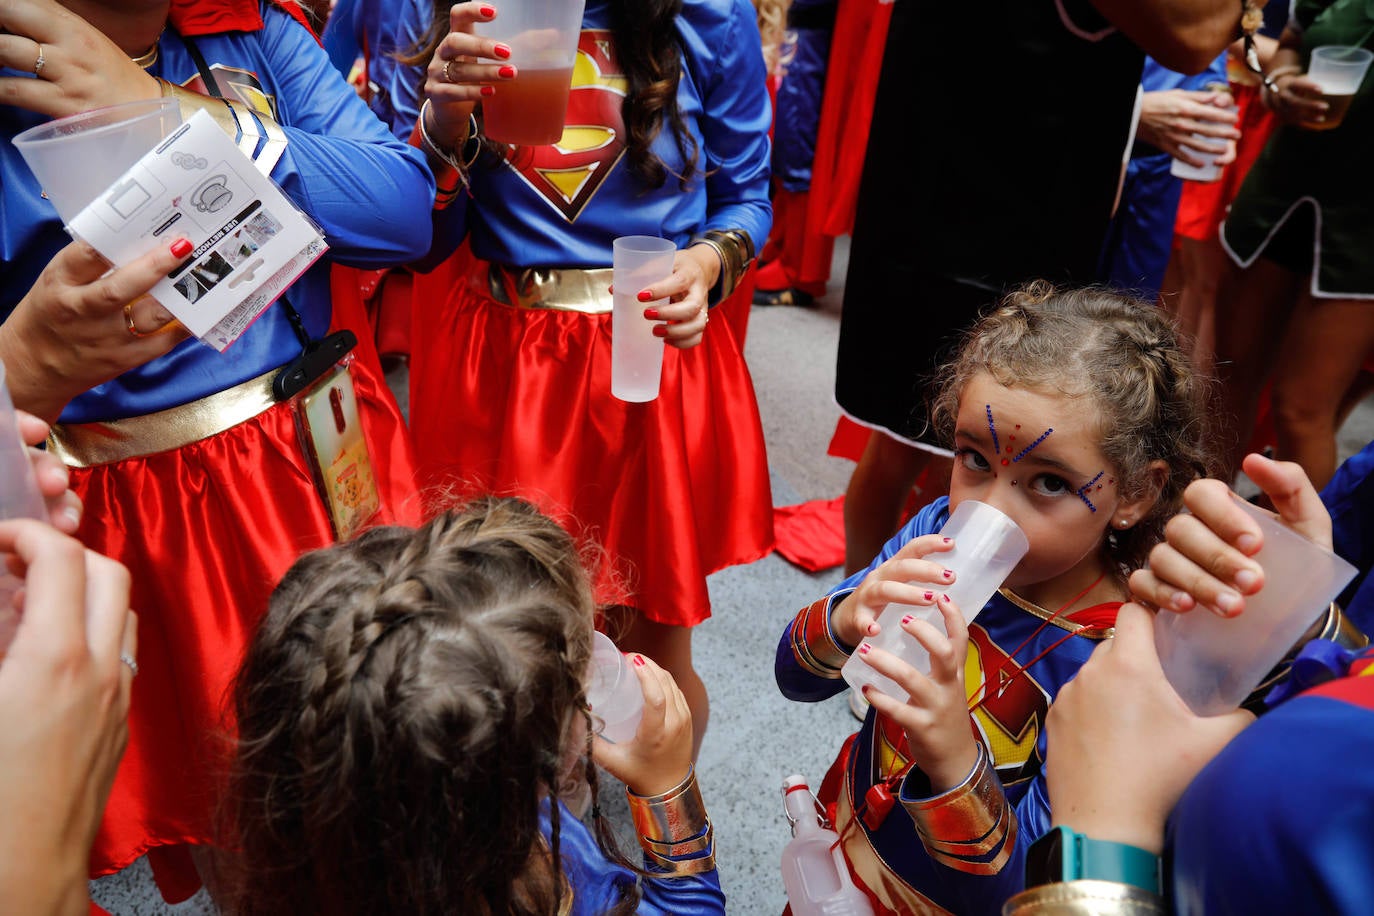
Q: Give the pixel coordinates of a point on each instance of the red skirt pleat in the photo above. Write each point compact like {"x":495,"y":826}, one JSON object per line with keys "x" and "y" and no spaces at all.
{"x":517,"y":401}
{"x":206,"y":531}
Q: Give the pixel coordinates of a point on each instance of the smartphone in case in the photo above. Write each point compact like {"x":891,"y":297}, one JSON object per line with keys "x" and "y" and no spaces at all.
{"x":332,"y":435}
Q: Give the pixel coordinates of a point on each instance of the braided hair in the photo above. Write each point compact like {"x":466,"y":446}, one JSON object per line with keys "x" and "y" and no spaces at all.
{"x":1123,"y":359}
{"x":408,"y":701}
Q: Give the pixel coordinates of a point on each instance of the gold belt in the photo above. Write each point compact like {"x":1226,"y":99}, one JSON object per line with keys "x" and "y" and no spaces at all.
{"x":565,"y":289}
{"x":82,"y":445}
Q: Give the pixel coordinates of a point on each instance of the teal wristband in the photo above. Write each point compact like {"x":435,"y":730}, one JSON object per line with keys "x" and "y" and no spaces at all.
{"x":1063,"y":855}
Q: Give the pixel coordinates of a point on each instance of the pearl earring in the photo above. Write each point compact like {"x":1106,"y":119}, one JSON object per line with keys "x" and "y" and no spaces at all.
{"x":1123,"y":523}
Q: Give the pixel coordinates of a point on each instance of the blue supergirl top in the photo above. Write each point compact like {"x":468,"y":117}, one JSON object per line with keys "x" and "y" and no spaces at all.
{"x":369,"y":193}
{"x":562,"y":205}
{"x":598,"y":884}
{"x":1010,"y":724}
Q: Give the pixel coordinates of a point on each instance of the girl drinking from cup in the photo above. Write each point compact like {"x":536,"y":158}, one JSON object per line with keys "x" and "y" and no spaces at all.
{"x":413,"y":718}
{"x":1076,"y":414}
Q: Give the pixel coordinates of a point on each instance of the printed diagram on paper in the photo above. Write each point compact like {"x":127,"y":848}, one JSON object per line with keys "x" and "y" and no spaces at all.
{"x":250,"y":242}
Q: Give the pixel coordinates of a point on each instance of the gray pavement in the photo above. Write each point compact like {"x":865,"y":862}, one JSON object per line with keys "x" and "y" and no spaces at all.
{"x":756,"y":738}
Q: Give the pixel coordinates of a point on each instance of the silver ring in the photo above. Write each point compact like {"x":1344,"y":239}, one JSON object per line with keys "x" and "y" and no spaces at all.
{"x":128,"y":659}
{"x":448,"y":74}
{"x":39,"y":64}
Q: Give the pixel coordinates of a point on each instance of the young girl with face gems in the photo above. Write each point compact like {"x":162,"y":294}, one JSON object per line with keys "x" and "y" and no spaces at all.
{"x":1075,"y":413}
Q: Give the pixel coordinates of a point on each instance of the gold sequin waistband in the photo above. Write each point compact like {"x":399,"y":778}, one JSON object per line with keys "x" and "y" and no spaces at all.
{"x":82,"y":445}
{"x":565,"y":289}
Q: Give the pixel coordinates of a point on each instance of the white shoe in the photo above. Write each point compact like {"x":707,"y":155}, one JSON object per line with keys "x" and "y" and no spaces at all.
{"x":857,"y":704}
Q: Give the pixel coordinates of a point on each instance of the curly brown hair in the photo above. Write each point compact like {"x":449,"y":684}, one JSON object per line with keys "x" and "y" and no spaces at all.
{"x":408,"y":701}
{"x":1115,"y":352}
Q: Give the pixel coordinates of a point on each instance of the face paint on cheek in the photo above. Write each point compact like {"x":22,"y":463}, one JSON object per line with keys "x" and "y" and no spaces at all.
{"x":1082,"y":491}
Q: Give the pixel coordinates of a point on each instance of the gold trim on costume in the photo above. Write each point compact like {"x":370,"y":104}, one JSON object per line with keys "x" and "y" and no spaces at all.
{"x":564,"y":289}
{"x":1062,"y":622}
{"x":736,"y":252}
{"x":970,"y":820}
{"x":1085,"y":898}
{"x":813,"y":644}
{"x":878,"y":877}
{"x":82,"y":445}
{"x":247,"y":127}
{"x":675,"y":824}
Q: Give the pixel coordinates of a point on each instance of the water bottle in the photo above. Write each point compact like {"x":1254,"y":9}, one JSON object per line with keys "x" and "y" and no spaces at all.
{"x":814,"y":872}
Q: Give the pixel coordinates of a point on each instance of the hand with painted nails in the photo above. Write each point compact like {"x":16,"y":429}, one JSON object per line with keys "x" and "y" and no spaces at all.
{"x":82,"y":324}
{"x":1119,"y":724}
{"x":935,"y":716}
{"x":897,"y":580}
{"x":660,"y":754}
{"x":64,"y":506}
{"x":464,"y":69}
{"x":688,"y":289}
{"x":1205,"y":559}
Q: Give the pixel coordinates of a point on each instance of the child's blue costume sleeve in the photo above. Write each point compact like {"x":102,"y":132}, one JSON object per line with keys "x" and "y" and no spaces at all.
{"x":1349,"y":497}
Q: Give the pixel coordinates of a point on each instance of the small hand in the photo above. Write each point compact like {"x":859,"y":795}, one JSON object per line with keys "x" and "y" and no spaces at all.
{"x":1119,"y":724}
{"x":70,"y":332}
{"x":457,"y":79}
{"x":1169,"y":119}
{"x":935,"y":716}
{"x":64,"y":506}
{"x":82,"y":69}
{"x":895,"y":581}
{"x":1205,"y":558}
{"x":687,"y":289}
{"x":660,"y":754}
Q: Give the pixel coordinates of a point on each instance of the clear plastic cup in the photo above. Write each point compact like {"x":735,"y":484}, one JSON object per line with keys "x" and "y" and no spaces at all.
{"x":1209,"y":171}
{"x":613,"y":692}
{"x":1213,"y":662}
{"x":636,"y":354}
{"x":987,"y":547}
{"x":77,"y":158}
{"x":19,"y":498}
{"x":1338,"y":70}
{"x":542,"y":35}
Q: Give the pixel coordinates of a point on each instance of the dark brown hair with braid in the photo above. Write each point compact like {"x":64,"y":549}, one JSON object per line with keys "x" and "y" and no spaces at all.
{"x":1119,"y":355}
{"x":408,"y":701}
{"x":646,"y":44}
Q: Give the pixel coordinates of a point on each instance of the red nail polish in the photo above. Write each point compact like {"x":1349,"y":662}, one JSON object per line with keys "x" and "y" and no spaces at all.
{"x":488,"y":91}
{"x":873,"y":628}
{"x":639,"y":661}
{"x":908,"y":618}
{"x":929,"y":596}
{"x":181,"y":248}
{"x":660,"y":330}
{"x":646,"y":295}
{"x":949,"y":540}
{"x":947,"y":574}
{"x":506,"y":73}
{"x":487,"y":11}
{"x":651,"y":314}
{"x":501,"y":52}
{"x":946,"y":597}
{"x":863,"y":648}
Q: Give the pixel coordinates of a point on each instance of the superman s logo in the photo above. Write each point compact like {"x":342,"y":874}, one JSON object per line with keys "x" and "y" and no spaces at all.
{"x":568,"y":173}
{"x":1014,"y":707}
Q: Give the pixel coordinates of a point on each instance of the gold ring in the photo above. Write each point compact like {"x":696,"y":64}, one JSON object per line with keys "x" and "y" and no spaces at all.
{"x":448,"y":74}
{"x":40,"y":63}
{"x":133,"y":328}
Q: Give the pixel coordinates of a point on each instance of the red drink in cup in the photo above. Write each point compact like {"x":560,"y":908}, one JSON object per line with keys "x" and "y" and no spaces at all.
{"x":542,"y":36}
{"x":530,"y":109}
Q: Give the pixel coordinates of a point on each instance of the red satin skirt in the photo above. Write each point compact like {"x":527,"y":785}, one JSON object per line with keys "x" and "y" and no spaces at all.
{"x":206,"y":531}
{"x":517,"y":401}
{"x":1203,"y":204}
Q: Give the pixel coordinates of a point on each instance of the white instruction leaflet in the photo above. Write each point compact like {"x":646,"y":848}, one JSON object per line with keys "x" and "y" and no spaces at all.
{"x":250,"y":241}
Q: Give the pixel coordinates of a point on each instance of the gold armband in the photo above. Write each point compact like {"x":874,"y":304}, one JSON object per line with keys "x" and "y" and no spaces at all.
{"x":258,"y":136}
{"x":1085,"y":898}
{"x":1332,"y":625}
{"x":814,"y":645}
{"x":736,"y":252}
{"x":673,"y":825}
{"x":960,"y":827}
